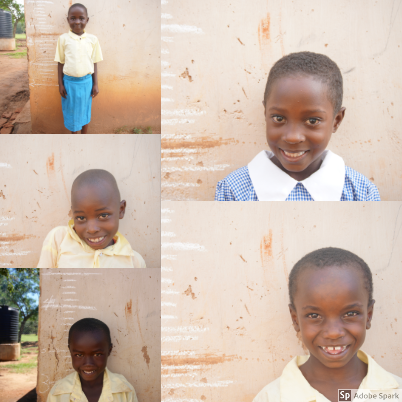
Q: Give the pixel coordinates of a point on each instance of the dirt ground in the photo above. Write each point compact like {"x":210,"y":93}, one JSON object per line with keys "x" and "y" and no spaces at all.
{"x":14,"y":88}
{"x":15,"y":386}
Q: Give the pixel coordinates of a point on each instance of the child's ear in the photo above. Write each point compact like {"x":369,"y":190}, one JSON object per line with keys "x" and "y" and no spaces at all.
{"x":263,"y":104}
{"x":338,"y":119}
{"x":293,"y":315}
{"x":122,"y":211}
{"x":110,"y":349}
{"x":370,"y":313}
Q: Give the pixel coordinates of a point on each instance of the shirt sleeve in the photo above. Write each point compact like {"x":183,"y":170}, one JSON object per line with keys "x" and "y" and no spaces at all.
{"x":132,"y":397}
{"x":223,"y":192}
{"x":60,"y":51}
{"x":97,"y":52}
{"x":138,"y":261}
{"x":372,"y":193}
{"x":50,"y":249}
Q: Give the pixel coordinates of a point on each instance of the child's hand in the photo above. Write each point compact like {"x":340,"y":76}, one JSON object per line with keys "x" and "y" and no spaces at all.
{"x":63,"y":91}
{"x":95,"y":91}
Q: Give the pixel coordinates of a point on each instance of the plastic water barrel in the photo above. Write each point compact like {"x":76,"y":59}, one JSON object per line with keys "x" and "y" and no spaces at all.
{"x":6,"y":24}
{"x":8,"y":324}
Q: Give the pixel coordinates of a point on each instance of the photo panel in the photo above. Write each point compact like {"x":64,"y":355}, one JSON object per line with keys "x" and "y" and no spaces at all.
{"x":128,"y":33}
{"x":215,"y":63}
{"x":226,"y":327}
{"x":38,"y":172}
{"x":126,"y":300}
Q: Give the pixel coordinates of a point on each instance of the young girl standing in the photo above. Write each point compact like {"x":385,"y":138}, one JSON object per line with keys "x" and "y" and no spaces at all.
{"x":77,"y":54}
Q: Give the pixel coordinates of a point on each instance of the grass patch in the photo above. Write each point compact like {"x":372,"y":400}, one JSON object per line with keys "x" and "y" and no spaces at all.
{"x":121,"y":130}
{"x":21,"y":368}
{"x":17,"y":55}
{"x":137,"y":130}
{"x":20,"y":36}
{"x":29,"y":338}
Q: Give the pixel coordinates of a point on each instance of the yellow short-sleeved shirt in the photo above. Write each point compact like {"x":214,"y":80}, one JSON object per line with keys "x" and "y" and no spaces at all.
{"x":63,"y":248}
{"x":78,"y":53}
{"x":115,"y":389}
{"x":291,"y":386}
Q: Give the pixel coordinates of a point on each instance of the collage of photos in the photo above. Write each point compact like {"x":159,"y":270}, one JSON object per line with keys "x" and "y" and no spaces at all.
{"x":126,"y":127}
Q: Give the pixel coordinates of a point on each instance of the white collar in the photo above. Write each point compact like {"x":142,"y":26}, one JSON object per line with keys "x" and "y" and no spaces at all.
{"x":273,"y":184}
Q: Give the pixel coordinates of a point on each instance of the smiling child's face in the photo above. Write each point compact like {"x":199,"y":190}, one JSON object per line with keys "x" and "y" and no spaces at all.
{"x":299,"y":123}
{"x":77,"y":19}
{"x":96,"y":212}
{"x":332,"y":314}
{"x":89,"y":353}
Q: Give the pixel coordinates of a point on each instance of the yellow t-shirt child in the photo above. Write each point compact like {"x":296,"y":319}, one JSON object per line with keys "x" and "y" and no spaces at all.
{"x":63,"y":248}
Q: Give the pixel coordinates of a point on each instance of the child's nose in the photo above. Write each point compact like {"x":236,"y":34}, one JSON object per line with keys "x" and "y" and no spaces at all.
{"x":334,"y":329}
{"x":294,"y":135}
{"x":92,"y":228}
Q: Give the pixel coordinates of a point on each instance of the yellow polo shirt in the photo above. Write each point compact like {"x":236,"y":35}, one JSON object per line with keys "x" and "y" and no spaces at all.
{"x":291,"y":386}
{"x":78,"y":53}
{"x":115,"y":389}
{"x":63,"y":248}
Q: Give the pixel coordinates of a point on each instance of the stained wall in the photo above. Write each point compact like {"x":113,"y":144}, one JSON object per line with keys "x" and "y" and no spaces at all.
{"x":130,"y":306}
{"x":129,"y":76}
{"x":226,"y":327}
{"x":36,"y":175}
{"x":215,"y":62}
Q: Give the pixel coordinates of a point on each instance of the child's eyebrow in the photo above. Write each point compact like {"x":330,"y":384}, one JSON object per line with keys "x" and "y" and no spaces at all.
{"x":310,"y":308}
{"x":304,"y":111}
{"x":100,"y":209}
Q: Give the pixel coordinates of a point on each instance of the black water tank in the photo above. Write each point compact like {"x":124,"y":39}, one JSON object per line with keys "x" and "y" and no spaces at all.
{"x":8,"y":324}
{"x":6,"y":24}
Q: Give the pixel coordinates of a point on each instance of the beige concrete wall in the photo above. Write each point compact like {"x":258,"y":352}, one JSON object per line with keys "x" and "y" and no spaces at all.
{"x":130,"y":306}
{"x":129,"y":76}
{"x":215,"y":62}
{"x":224,"y":291}
{"x":36,"y":174}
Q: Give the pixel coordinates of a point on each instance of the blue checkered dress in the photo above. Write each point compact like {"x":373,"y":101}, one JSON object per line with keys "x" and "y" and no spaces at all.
{"x":237,"y":186}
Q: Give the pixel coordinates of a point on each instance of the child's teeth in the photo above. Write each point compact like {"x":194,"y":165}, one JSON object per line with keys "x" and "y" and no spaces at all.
{"x":294,"y":155}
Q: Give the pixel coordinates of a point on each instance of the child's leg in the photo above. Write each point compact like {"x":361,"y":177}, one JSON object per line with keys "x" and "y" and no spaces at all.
{"x":84,"y":129}
{"x":74,"y":132}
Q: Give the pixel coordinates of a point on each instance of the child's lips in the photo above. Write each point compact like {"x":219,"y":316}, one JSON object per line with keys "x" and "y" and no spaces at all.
{"x":335,"y":351}
{"x":96,"y":240}
{"x":293,"y":156}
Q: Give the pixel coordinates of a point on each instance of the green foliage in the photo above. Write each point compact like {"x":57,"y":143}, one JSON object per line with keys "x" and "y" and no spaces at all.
{"x":17,"y":288}
{"x":21,"y":368}
{"x":137,"y":131}
{"x":16,"y":9}
{"x":148,"y":130}
{"x":20,"y":30}
{"x":29,"y":338}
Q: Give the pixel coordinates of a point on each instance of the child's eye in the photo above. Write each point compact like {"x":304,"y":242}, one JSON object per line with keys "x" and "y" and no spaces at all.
{"x":313,"y":121}
{"x":104,"y":216}
{"x":278,"y":119}
{"x":351,"y":314}
{"x":78,"y":354}
{"x":80,"y":218}
{"x":313,"y":315}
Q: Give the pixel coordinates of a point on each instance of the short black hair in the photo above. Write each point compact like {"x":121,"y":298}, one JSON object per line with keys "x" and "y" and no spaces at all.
{"x":90,"y":325}
{"x":329,"y":257}
{"x":77,"y":5}
{"x":312,"y":64}
{"x":95,"y":177}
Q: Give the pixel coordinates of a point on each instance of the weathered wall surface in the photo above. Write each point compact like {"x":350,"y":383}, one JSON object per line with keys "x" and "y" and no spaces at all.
{"x":36,"y":175}
{"x":129,"y":76}
{"x":130,"y":306}
{"x":215,"y":62}
{"x":226,"y":328}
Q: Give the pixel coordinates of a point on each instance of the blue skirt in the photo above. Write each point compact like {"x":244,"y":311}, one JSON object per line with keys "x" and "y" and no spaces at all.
{"x":77,"y":106}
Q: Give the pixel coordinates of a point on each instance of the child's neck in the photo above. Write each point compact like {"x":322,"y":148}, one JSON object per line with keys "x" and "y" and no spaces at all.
{"x":327,"y":380}
{"x":300,"y":176}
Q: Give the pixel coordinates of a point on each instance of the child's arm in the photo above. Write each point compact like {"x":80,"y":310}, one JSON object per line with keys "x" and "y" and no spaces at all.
{"x":95,"y":89}
{"x":62,"y":90}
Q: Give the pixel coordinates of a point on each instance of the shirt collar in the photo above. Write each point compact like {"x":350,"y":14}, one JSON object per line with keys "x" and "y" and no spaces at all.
{"x":273,"y":184}
{"x":77,"y":37}
{"x":295,"y":388}
{"x":121,"y":246}
{"x":112,"y":383}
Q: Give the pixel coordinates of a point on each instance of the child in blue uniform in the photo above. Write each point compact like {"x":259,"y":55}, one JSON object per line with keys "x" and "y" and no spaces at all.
{"x":77,"y":54}
{"x":331,"y":306}
{"x":303,"y":107}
